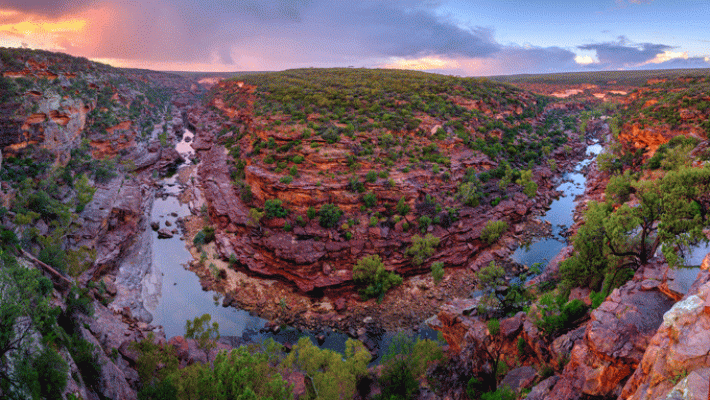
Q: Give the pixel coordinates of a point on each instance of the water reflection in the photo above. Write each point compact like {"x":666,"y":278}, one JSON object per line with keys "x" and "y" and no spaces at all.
{"x":559,"y":216}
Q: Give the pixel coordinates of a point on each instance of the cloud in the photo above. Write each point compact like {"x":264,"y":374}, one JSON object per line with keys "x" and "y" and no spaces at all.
{"x":624,"y":54}
{"x":667,"y":56}
{"x":584,"y":60}
{"x":509,"y":60}
{"x":679,"y":62}
{"x":275,"y":35}
{"x":279,"y":34}
{"x":428,"y":63}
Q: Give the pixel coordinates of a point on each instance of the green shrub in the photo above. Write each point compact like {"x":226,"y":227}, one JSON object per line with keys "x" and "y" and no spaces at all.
{"x":469,"y":194}
{"x":422,"y":248}
{"x":329,"y":215}
{"x":597,"y":299}
{"x":556,"y":316}
{"x":402,"y":207}
{"x":424,"y":222}
{"x":355,"y":186}
{"x":620,"y":187}
{"x":286,"y":179}
{"x":242,"y":373}
{"x":44,"y":376}
{"x":54,"y":256}
{"x":200,"y":330}
{"x":503,"y":393}
{"x":206,"y":235}
{"x":273,"y":209}
{"x":492,"y":231}
{"x":8,"y":238}
{"x":297,"y":159}
{"x":370,"y":200}
{"x":437,"y":271}
{"x":371,"y":177}
{"x":370,"y":271}
{"x":529,"y":186}
{"x":311,"y":212}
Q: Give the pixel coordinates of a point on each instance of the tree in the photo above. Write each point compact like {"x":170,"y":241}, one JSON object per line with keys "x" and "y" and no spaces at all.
{"x":402,"y":207}
{"x":504,"y":297}
{"x":331,"y":375}
{"x":620,"y":187}
{"x":200,"y":330}
{"x":470,"y":194}
{"x":404,"y":363}
{"x":529,"y":186}
{"x":25,"y":311}
{"x":238,"y":374}
{"x":671,"y":213}
{"x":273,"y":209}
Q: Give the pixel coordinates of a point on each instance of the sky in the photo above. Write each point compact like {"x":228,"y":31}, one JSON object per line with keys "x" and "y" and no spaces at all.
{"x":456,"y":37}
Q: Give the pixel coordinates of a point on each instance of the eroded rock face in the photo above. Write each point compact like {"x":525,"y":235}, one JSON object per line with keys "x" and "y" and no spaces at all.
{"x":300,"y":256}
{"x":615,"y":340}
{"x":112,"y":218}
{"x":680,"y":348}
{"x":56,"y":126}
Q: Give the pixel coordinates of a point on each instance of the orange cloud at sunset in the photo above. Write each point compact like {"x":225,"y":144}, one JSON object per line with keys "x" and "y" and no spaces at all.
{"x":423,"y":63}
{"x":257,"y":35}
{"x":17,"y":28}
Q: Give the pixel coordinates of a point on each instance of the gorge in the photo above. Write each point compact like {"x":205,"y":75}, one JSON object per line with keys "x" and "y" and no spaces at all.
{"x":517,"y":241}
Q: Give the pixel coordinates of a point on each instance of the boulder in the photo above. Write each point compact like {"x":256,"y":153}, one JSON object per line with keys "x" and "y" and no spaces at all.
{"x":542,"y":389}
{"x":164,"y":233}
{"x":519,"y":378}
{"x":510,"y":327}
{"x":692,"y":387}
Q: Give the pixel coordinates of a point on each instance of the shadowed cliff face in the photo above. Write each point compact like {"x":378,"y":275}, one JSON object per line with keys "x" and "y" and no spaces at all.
{"x":81,"y":145}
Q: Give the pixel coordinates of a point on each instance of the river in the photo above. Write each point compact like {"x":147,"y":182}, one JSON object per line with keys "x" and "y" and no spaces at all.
{"x":560,"y":216}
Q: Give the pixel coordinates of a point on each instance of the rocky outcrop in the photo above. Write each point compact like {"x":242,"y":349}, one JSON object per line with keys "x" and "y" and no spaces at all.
{"x":631,"y":333}
{"x":616,"y":338}
{"x":329,"y":172}
{"x":56,"y":125}
{"x":679,"y":351}
{"x":189,"y":352}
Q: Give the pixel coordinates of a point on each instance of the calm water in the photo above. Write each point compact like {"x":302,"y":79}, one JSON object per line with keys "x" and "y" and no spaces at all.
{"x":542,"y":250}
